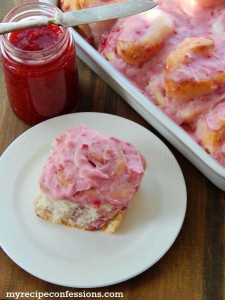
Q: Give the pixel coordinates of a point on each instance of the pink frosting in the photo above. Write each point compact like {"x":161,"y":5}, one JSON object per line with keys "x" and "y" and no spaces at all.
{"x":149,"y":77}
{"x":89,"y":168}
{"x":215,"y":120}
{"x":200,"y":18}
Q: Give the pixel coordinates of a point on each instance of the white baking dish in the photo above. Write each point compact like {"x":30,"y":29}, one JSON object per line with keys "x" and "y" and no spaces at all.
{"x":151,"y":113}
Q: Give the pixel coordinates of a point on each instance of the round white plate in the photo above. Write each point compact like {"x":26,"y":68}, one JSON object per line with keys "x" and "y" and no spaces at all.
{"x":77,"y":258}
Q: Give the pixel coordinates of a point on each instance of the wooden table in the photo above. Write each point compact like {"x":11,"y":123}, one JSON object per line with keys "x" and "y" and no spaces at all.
{"x":193,"y":268}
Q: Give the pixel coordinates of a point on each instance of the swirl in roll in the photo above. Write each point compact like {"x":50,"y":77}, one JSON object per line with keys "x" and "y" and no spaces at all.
{"x":194,"y":69}
{"x":142,"y":35}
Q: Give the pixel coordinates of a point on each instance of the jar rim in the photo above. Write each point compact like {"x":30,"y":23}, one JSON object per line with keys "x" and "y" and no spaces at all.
{"x":31,"y":6}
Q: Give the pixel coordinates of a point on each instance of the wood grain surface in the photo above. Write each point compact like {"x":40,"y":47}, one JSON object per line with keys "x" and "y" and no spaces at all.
{"x":193,"y":268}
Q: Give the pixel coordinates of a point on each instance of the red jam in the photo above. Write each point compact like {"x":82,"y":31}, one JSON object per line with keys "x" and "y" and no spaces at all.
{"x":39,"y":86}
{"x":36,"y":39}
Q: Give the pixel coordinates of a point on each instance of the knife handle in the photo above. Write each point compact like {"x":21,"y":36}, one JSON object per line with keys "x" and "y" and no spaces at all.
{"x":13,"y":26}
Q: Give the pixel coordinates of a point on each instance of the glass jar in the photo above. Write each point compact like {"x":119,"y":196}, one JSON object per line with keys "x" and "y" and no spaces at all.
{"x":39,"y":66}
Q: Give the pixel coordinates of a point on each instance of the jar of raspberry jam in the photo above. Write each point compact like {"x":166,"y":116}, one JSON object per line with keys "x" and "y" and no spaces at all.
{"x":39,"y":66}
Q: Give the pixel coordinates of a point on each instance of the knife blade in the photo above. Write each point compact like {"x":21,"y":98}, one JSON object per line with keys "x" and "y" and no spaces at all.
{"x":83,"y":16}
{"x":104,"y":12}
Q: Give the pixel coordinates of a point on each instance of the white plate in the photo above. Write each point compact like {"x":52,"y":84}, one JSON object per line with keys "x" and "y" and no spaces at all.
{"x":76,"y":258}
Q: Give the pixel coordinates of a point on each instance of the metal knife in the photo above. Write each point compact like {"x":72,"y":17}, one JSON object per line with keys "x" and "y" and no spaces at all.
{"x":83,"y":16}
